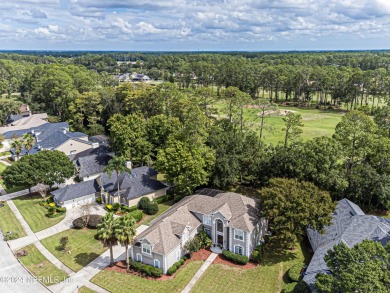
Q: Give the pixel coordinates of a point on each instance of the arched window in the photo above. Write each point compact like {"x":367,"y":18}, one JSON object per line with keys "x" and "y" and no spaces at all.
{"x":219,"y":225}
{"x":157,"y":263}
{"x":238,"y":249}
{"x":139,"y":257}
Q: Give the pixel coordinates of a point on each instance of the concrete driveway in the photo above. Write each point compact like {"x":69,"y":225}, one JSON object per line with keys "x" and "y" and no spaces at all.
{"x":13,"y":277}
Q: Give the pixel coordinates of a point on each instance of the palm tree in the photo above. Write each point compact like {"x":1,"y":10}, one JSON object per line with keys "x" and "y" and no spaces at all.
{"x":28,"y":142}
{"x":124,"y":232}
{"x":117,"y":164}
{"x":106,"y":233}
{"x":17,"y":145}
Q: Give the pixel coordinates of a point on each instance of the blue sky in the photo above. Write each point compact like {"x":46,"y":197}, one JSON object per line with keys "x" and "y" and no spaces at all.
{"x":153,"y":25}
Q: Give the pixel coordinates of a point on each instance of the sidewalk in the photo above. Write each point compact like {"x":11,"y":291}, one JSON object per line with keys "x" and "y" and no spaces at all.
{"x":200,"y":272}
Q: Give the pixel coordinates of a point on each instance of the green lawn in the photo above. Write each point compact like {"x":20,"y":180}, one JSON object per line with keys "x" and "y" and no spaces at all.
{"x":34,"y":214}
{"x":82,"y":247}
{"x":270,"y":277}
{"x":40,"y":267}
{"x":85,"y":290}
{"x":7,"y":153}
{"x":316,"y":122}
{"x":12,"y":189}
{"x":8,"y":221}
{"x":119,"y":282}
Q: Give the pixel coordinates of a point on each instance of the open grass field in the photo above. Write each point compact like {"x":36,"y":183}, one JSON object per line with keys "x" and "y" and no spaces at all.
{"x":8,"y":221}
{"x":34,"y":214}
{"x":42,"y":268}
{"x":269,"y":277}
{"x":316,"y":122}
{"x":120,"y":283}
{"x":82,"y":247}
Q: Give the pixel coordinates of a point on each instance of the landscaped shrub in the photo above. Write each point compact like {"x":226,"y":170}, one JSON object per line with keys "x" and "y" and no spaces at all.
{"x":204,"y":239}
{"x":236,"y":258}
{"x":193,"y":245}
{"x":294,"y":273}
{"x":162,"y":199}
{"x":146,"y":269}
{"x":143,"y":203}
{"x":257,"y":254}
{"x":108,"y":207}
{"x":297,"y":287}
{"x":79,"y":223}
{"x":128,"y":209}
{"x":151,"y":209}
{"x":115,"y":207}
{"x":290,"y":287}
{"x":11,"y":236}
{"x":61,"y":210}
{"x":137,"y":215}
{"x":172,"y":270}
{"x":93,"y":221}
{"x":99,"y":200}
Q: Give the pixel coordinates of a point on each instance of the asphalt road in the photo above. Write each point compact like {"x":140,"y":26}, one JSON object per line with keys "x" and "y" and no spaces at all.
{"x":13,"y":277}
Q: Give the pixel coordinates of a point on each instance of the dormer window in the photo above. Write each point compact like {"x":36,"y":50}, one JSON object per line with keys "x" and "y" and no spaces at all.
{"x":206,"y":220}
{"x":146,"y":248}
{"x":238,"y":234}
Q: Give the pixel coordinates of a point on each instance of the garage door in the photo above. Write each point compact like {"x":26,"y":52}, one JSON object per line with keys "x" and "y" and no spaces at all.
{"x":81,"y":201}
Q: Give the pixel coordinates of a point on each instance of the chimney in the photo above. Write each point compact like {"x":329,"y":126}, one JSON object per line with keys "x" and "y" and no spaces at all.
{"x":129,"y":165}
{"x":64,"y":130}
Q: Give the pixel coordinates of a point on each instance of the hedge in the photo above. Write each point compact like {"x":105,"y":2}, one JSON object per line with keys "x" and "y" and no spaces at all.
{"x":137,"y":215}
{"x":236,"y":258}
{"x":175,"y":267}
{"x":294,"y":273}
{"x":143,"y":203}
{"x":151,"y":208}
{"x":128,"y":209}
{"x":146,"y":269}
{"x":297,"y":287}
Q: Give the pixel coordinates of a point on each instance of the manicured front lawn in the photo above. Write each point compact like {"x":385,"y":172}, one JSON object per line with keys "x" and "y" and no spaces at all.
{"x":82,"y":247}
{"x":118,"y":282}
{"x":8,"y":221}
{"x":269,"y":277}
{"x":34,"y":214}
{"x":43,"y":269}
{"x":85,"y":290}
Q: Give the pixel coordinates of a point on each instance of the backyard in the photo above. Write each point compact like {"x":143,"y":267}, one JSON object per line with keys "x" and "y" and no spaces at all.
{"x":82,"y":247}
{"x":269,"y":277}
{"x":8,"y":221}
{"x":120,"y":283}
{"x":40,"y":267}
{"x":35,"y":214}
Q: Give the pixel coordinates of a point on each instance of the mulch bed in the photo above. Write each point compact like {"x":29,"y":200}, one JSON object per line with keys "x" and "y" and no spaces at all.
{"x":220,"y":259}
{"x":120,"y":266}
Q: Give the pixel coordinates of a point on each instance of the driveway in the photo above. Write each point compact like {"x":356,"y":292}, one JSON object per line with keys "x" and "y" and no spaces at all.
{"x":13,"y":277}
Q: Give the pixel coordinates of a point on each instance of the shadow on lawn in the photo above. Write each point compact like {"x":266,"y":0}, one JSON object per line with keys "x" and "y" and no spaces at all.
{"x":85,"y":258}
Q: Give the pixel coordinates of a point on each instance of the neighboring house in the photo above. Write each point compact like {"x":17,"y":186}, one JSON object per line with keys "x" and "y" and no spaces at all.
{"x":132,"y":187}
{"x":54,"y":136}
{"x":91,"y":166}
{"x":232,"y":220}
{"x":140,"y":77}
{"x":350,"y":225}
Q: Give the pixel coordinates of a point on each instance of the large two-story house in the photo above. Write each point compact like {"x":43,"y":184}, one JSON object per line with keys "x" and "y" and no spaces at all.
{"x":232,"y":221}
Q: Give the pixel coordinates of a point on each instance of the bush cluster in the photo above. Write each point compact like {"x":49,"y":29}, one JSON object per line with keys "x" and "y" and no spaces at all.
{"x":99,"y":200}
{"x":257,"y":254}
{"x":297,"y":287}
{"x":294,"y":273}
{"x":175,"y":266}
{"x":145,"y":269}
{"x":91,"y":222}
{"x":149,"y":207}
{"x":236,"y":258}
{"x":119,"y":208}
{"x":137,"y":215}
{"x":11,"y":236}
{"x":128,"y":209}
{"x":53,"y":210}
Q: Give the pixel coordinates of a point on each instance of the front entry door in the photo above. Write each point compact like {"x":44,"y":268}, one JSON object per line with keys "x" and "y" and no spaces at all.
{"x":220,"y":239}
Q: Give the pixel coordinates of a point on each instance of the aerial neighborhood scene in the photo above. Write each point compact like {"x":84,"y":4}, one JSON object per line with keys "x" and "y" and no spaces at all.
{"x":194,"y":146}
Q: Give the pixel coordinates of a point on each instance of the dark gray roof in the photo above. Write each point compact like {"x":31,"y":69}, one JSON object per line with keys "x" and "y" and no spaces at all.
{"x":93,"y":164}
{"x":349,"y":225}
{"x":100,"y":150}
{"x":74,"y":191}
{"x":13,"y":118}
{"x":134,"y":184}
{"x":101,"y":139}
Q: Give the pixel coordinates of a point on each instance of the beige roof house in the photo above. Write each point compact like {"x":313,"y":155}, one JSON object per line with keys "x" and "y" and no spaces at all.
{"x":231,"y":219}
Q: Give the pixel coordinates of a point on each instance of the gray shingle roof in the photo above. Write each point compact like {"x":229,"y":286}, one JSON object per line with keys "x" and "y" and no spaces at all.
{"x":74,"y":191}
{"x":93,"y":164}
{"x":349,"y":225}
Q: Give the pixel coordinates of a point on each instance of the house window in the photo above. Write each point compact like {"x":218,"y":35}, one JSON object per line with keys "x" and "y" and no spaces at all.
{"x":146,"y":249}
{"x":177,"y":255}
{"x":185,"y":236}
{"x":238,"y":249}
{"x":219,"y":225}
{"x":207,"y":220}
{"x":139,"y":257}
{"x":157,"y":263}
{"x":238,"y":234}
